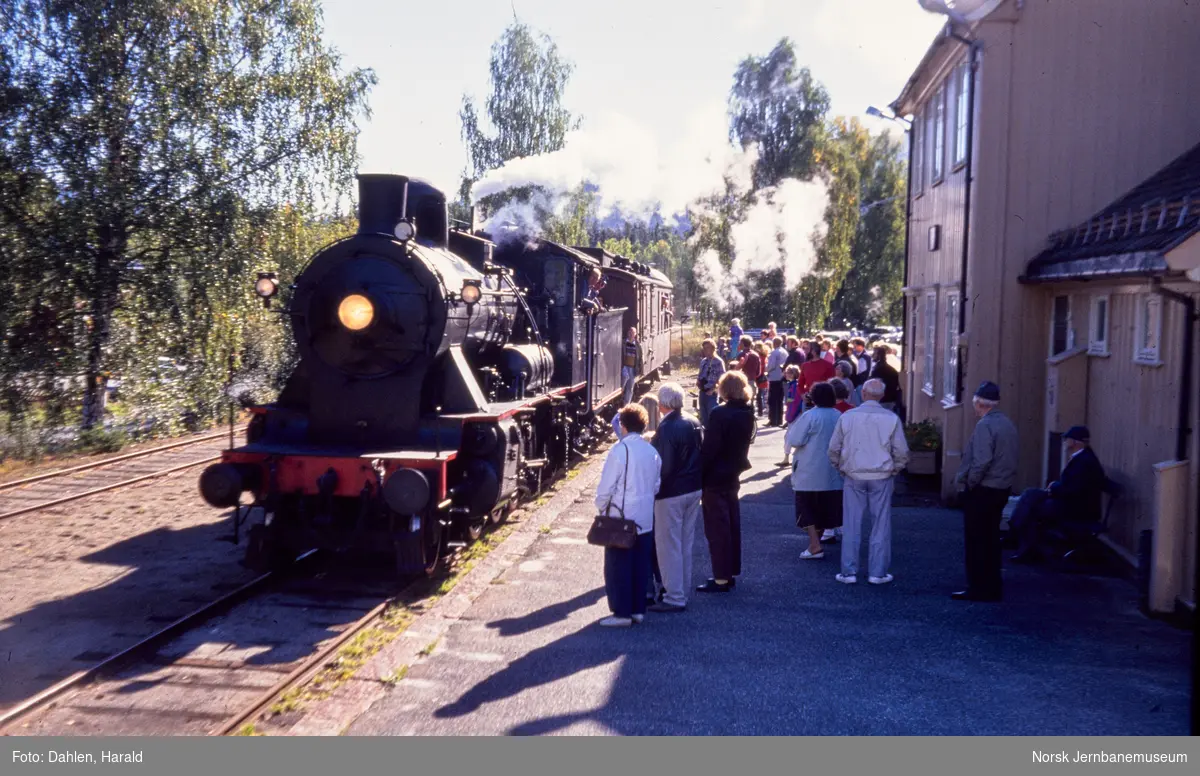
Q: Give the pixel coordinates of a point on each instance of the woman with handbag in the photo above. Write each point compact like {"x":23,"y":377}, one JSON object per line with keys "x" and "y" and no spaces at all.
{"x":625,"y":524}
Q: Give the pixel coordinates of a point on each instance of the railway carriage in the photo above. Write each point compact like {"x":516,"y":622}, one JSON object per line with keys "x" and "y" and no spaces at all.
{"x":442,"y":377}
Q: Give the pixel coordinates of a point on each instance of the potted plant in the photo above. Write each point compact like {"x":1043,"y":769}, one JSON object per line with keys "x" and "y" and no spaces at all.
{"x":924,"y":441}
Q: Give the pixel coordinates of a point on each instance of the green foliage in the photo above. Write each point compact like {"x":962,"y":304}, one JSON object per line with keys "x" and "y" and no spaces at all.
{"x":923,"y":436}
{"x":778,"y":106}
{"x":871,"y":294}
{"x":524,"y":107}
{"x":147,"y":150}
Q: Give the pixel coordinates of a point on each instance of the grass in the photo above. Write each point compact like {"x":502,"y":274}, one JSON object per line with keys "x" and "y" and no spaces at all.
{"x":395,"y":677}
{"x":248,"y":730}
{"x":428,"y":649}
{"x":544,"y":529}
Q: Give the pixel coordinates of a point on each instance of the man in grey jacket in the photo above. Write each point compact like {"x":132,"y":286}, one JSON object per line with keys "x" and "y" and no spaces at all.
{"x":986,"y":476}
{"x":869,"y":449}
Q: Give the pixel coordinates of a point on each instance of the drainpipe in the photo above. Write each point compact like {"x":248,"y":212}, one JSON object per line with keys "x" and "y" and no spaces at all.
{"x":904,"y":327}
{"x":1185,"y":383}
{"x":969,"y":177}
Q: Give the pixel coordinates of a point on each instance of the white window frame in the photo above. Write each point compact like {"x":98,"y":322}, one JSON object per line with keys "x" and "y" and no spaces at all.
{"x":930,"y":354}
{"x":917,"y":137}
{"x":1098,"y":342}
{"x":1143,"y":354}
{"x":962,"y":85}
{"x":937,"y":145}
{"x":950,"y":350}
{"x":1070,"y":343}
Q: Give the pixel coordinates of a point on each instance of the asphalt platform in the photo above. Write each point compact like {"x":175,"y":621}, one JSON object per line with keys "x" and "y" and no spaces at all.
{"x":792,"y":651}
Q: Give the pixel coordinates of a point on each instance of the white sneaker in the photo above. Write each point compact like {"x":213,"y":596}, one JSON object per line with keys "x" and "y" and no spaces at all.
{"x":880,"y":580}
{"x":828,"y":533}
{"x":846,"y":579}
{"x":615,"y":622}
{"x":637,"y":617}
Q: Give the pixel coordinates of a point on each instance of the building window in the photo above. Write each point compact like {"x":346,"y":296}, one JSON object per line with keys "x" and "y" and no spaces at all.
{"x":937,"y":150}
{"x":950,"y":350}
{"x":1098,"y":326}
{"x":930,"y":340}
{"x":1062,"y":338}
{"x":917,"y":138}
{"x":1148,"y":330}
{"x":962,"y":77}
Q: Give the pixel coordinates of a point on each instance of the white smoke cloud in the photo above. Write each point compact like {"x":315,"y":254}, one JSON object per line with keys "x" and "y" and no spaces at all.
{"x":635,"y":176}
{"x":624,"y":161}
{"x":781,"y":230}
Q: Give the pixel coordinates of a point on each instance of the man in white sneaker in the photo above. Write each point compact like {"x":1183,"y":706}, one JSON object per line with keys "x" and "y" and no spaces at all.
{"x":869,"y":449}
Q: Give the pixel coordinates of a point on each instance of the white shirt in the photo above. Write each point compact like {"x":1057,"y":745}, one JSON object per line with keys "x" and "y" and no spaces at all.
{"x":637,"y":495}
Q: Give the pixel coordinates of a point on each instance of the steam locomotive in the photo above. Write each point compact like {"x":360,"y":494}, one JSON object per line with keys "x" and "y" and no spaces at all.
{"x":442,"y":377}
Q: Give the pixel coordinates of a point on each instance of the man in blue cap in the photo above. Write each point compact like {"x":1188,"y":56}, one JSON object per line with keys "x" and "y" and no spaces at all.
{"x":987,"y":473}
{"x":1075,"y":497}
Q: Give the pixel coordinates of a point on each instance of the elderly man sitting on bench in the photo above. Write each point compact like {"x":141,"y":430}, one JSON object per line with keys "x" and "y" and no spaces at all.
{"x":1073,"y":499}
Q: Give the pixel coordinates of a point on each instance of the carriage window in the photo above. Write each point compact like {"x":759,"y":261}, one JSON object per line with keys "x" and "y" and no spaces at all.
{"x":554,"y":280}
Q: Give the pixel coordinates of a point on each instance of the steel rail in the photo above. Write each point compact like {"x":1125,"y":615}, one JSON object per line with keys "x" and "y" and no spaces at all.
{"x":158,"y":638}
{"x":105,"y":488}
{"x":304,"y":672}
{"x":107,"y":461}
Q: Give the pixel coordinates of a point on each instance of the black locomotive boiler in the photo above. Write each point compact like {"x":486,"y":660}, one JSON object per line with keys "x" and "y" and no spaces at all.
{"x":441,"y":378}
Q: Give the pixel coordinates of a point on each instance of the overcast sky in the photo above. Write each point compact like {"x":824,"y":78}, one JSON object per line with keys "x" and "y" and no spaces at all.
{"x":663,"y":64}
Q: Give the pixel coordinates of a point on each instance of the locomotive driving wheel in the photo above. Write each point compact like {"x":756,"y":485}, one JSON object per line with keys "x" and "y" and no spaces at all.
{"x":419,"y":552}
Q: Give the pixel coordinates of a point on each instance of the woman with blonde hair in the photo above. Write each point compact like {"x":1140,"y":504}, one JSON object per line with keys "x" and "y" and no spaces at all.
{"x":723,"y":457}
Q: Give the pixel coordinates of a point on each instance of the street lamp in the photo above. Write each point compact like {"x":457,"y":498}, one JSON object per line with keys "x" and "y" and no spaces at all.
{"x":877,"y":113}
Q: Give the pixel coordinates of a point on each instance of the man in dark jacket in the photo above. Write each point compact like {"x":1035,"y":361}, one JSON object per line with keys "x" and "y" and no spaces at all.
{"x":678,"y":441}
{"x":882,"y":370}
{"x":1073,"y":498}
{"x":723,"y":458}
{"x":987,"y":473}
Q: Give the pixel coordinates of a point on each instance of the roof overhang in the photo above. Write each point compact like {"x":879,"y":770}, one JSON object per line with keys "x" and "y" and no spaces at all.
{"x":1185,"y":257}
{"x":1143,"y":264}
{"x":964,"y":18}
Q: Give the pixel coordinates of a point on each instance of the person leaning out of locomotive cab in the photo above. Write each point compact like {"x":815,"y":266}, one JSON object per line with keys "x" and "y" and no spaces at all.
{"x":628,"y":485}
{"x":592,"y":303}
{"x":631,"y":363}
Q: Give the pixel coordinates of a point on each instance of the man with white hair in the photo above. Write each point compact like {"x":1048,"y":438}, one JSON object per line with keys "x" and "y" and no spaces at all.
{"x":869,"y":450}
{"x":677,"y":505}
{"x":987,"y":473}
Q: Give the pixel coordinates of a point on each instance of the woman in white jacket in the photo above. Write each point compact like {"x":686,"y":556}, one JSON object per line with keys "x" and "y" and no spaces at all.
{"x":627,"y":487}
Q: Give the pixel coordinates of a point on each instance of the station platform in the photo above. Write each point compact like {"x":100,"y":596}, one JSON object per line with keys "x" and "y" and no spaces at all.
{"x":789,"y":652}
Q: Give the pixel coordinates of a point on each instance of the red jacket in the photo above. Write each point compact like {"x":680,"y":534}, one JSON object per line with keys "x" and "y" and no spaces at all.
{"x":817,"y":370}
{"x":752,"y":366}
{"x":843,"y":406}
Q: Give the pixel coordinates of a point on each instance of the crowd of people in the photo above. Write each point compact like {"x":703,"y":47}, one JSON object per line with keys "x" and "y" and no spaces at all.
{"x":845,"y":443}
{"x":689,"y":473}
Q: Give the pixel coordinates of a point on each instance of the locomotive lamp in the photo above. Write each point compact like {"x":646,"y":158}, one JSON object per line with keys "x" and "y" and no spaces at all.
{"x":266,"y":287}
{"x":471,"y":291}
{"x":404,"y":231}
{"x":356,"y":312}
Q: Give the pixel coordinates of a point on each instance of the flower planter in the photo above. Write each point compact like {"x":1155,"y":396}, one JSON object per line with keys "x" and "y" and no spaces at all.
{"x":922,"y":462}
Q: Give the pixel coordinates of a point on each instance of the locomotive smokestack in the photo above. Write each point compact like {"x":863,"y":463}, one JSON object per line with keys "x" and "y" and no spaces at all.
{"x":382,"y":202}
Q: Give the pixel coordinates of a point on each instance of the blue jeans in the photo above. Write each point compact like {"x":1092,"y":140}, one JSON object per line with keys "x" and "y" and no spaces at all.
{"x":859,"y":497}
{"x":628,"y":380}
{"x":627,"y":575}
{"x":708,"y":403}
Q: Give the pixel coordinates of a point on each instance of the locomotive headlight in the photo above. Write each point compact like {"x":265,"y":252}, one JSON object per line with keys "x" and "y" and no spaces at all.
{"x":356,"y":312}
{"x":266,"y":286}
{"x":471,"y":292}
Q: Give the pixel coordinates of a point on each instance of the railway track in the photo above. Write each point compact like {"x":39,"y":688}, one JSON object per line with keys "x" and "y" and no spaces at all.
{"x":31,"y":494}
{"x":223,"y":665}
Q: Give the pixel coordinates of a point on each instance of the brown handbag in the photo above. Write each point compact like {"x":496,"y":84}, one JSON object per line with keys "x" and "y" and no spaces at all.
{"x":615,"y":532}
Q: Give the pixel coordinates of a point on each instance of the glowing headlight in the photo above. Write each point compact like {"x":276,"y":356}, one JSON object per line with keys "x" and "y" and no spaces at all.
{"x":356,"y":312}
{"x":471,"y":292}
{"x":266,"y":285}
